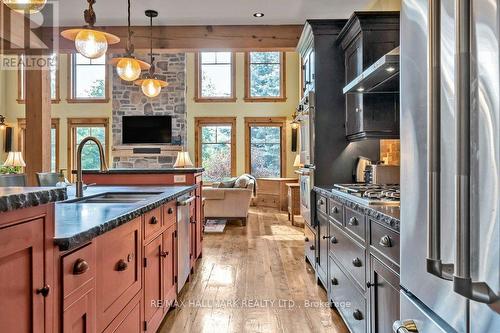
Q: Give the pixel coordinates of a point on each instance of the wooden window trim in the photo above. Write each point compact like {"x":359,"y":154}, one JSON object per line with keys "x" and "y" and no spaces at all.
{"x":197,"y":83}
{"x":71,"y":84}
{"x":75,"y":122}
{"x":199,"y":122}
{"x":55,"y":123}
{"x":57,"y":98}
{"x":266,"y":121}
{"x":249,"y":98}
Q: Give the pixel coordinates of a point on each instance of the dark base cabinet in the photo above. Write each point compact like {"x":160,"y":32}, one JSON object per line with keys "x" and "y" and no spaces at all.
{"x":322,"y":252}
{"x":310,"y":245}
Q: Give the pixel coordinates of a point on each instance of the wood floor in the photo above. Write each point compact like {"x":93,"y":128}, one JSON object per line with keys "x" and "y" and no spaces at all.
{"x":254,"y":279}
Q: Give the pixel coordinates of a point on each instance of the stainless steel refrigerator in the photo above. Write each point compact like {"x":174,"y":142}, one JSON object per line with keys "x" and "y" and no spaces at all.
{"x":450,"y":166}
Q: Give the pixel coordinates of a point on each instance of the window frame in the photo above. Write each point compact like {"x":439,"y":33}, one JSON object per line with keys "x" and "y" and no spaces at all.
{"x":72,"y":124}
{"x":259,"y":99}
{"x":203,"y":121}
{"x":71,"y":97}
{"x":21,"y":138}
{"x":262,"y":122}
{"x":22,"y":99}
{"x":197,"y":81}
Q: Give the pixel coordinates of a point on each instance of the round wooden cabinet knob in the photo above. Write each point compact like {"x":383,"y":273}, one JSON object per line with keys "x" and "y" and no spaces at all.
{"x":153,"y":220}
{"x":170,"y":210}
{"x":44,"y":291}
{"x":80,"y":266}
{"x":335,"y":282}
{"x":385,"y":241}
{"x":321,"y":202}
{"x":334,"y":240}
{"x":311,"y":248}
{"x":356,"y":262}
{"x":164,"y":253}
{"x":306,"y":239}
{"x":335,"y":210}
{"x":121,"y":265}
{"x":353,"y":221}
{"x":357,"y":314}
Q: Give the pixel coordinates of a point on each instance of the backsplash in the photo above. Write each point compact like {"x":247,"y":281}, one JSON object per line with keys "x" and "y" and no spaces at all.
{"x":128,"y":100}
{"x":390,"y":152}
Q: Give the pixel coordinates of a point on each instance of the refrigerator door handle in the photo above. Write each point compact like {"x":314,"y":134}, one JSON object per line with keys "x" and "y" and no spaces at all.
{"x":434,"y":264}
{"x":462,"y":281}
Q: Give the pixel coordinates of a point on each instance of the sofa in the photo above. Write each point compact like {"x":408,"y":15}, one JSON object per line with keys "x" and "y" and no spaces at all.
{"x":229,"y":202}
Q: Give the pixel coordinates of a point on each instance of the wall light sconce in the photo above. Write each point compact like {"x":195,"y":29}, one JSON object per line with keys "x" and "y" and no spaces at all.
{"x":2,"y":122}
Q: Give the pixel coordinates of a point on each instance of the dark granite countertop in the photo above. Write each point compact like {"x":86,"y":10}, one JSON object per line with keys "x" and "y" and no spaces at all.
{"x":147,"y":171}
{"x":389,"y":215}
{"x":77,"y":223}
{"x":12,"y":198}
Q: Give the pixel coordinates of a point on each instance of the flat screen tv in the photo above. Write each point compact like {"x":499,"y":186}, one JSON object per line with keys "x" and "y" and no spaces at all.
{"x":146,"y":129}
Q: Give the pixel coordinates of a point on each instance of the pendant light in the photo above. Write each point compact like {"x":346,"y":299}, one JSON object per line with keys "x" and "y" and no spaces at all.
{"x":150,"y":84}
{"x":90,"y":43}
{"x":128,"y":67}
{"x":25,"y":6}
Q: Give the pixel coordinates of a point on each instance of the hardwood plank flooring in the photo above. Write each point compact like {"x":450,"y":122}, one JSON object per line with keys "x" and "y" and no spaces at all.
{"x":254,"y":279}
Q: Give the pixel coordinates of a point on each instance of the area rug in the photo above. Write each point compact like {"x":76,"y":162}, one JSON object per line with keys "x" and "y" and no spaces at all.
{"x":215,"y":226}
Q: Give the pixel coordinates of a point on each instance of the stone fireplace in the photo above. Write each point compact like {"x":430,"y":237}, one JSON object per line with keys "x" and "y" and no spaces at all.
{"x":128,"y":100}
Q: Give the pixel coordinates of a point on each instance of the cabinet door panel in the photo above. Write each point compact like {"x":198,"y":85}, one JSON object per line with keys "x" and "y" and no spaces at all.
{"x":79,"y":317}
{"x":153,"y":282}
{"x":323,"y":246}
{"x":169,"y":267}
{"x":128,"y":320}
{"x":22,"y":253}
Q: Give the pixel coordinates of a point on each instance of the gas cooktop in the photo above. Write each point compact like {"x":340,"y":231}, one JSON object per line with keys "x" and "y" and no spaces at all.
{"x":371,"y":194}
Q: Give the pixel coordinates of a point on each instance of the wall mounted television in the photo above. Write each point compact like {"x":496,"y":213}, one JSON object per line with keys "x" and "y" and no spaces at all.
{"x":146,"y":129}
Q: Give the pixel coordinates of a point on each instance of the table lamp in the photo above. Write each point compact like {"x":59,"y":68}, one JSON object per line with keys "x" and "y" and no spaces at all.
{"x":183,"y":160}
{"x":15,"y":160}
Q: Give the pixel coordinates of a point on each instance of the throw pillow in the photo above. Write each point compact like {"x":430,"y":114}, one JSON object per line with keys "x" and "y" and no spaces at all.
{"x":242,"y":181}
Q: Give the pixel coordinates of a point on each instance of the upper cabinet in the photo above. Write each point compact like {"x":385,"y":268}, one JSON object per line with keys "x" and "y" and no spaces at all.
{"x":366,"y":38}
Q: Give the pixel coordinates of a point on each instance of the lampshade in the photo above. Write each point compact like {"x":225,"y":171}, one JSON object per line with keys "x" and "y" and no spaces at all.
{"x":128,"y":68}
{"x":297,"y":163}
{"x":26,"y":6}
{"x":14,"y":159}
{"x":183,"y":160}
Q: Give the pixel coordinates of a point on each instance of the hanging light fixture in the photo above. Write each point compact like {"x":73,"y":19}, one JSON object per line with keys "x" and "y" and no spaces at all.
{"x":90,"y":43}
{"x":128,"y":67}
{"x":150,"y":84}
{"x":25,"y":6}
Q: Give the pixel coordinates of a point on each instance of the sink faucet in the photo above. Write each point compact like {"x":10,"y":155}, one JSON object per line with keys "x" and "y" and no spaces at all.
{"x":103,"y":165}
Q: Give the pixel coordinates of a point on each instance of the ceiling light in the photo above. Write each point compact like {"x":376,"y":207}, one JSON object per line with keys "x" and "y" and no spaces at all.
{"x":150,"y":84}
{"x":361,"y":89}
{"x":258,"y":15}
{"x":128,"y":68}
{"x":90,"y":43}
{"x":390,"y":69}
{"x":25,"y":6}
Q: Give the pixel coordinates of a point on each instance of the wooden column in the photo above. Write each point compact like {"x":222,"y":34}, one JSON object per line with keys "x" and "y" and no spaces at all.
{"x":38,"y":108}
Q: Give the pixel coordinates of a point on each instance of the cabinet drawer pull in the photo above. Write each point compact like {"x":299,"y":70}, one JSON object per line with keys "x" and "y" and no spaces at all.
{"x":306,"y":239}
{"x":321,"y":202}
{"x":44,"y":291}
{"x":312,"y":248}
{"x":353,"y":221}
{"x":121,"y":265}
{"x":357,"y":315}
{"x":153,"y":220}
{"x":170,"y":210}
{"x":80,"y":266}
{"x":335,"y":210}
{"x":326,"y":237}
{"x":334,"y":240}
{"x":356,"y":262}
{"x":385,"y":241}
{"x":335,"y":282}
{"x":164,"y":253}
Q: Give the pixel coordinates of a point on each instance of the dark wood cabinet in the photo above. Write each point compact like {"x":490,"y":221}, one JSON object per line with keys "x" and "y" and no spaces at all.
{"x":384,"y":296}
{"x":366,"y":37}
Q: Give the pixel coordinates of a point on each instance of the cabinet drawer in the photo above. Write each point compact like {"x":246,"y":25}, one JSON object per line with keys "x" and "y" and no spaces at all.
{"x":118,"y":270}
{"x":321,"y":204}
{"x":169,"y":213}
{"x":310,"y":245}
{"x":267,"y":200}
{"x":347,"y":299}
{"x":336,"y":211}
{"x":152,"y":222}
{"x":78,"y":268}
{"x":349,"y":253}
{"x":355,"y":223}
{"x":385,"y":241}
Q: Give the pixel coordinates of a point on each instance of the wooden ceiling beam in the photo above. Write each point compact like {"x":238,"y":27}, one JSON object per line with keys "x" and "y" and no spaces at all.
{"x":194,"y":38}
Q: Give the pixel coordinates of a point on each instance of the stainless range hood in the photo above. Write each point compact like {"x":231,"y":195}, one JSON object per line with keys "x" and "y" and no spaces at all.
{"x":381,"y":77}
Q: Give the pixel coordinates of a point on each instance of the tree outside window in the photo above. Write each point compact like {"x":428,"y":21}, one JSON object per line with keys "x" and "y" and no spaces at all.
{"x":216,"y":152}
{"x":265,"y":75}
{"x":90,"y":152}
{"x":88,"y":77}
{"x":215,"y":73}
{"x":265,"y":151}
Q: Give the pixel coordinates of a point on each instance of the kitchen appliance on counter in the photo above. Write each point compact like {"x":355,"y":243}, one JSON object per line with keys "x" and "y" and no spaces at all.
{"x":382,"y":174}
{"x":360,"y":167}
{"x":450,"y":167}
{"x":370,"y":194}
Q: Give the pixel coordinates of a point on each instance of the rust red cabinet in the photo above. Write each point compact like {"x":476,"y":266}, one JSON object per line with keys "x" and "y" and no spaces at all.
{"x":170,"y":267}
{"x":80,"y":316}
{"x":26,"y":269}
{"x":153,"y":284}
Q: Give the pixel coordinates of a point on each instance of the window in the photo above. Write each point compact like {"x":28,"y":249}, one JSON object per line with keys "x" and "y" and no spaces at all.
{"x":265,"y":147}
{"x":54,"y":80}
{"x":88,"y":79}
{"x":216,"y":147}
{"x":54,"y":141}
{"x":265,"y":77}
{"x":215,"y":77}
{"x":79,"y":129}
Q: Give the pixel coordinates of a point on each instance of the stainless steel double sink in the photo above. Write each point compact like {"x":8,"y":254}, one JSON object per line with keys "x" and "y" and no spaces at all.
{"x":115,"y":197}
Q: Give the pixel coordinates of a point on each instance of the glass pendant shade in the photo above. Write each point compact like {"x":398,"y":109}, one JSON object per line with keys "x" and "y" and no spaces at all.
{"x":26,"y":6}
{"x":128,"y":69}
{"x":91,"y":44}
{"x":151,"y":87}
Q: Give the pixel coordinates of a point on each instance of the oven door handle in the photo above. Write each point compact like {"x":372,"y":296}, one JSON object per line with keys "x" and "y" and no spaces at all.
{"x":186,"y":202}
